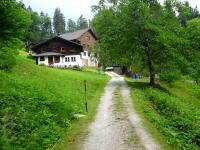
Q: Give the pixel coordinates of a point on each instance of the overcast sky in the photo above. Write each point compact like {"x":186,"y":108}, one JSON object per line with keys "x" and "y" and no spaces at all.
{"x":73,"y":8}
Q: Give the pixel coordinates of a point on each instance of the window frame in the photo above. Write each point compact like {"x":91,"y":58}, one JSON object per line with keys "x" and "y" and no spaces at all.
{"x":42,"y":58}
{"x":67,"y":59}
{"x":56,"y":60}
{"x":73,"y":59}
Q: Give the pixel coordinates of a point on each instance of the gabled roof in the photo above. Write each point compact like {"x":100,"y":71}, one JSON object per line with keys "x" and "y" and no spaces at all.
{"x":76,"y":34}
{"x":78,"y":46}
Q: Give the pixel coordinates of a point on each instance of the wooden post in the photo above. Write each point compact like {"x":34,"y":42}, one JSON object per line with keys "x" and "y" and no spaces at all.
{"x":86,"y":103}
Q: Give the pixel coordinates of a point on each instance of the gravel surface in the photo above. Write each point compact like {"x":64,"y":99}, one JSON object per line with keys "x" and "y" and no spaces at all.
{"x":112,"y":130}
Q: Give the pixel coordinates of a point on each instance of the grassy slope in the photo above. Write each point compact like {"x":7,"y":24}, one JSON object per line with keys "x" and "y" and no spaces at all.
{"x":171,"y":114}
{"x":38,"y":103}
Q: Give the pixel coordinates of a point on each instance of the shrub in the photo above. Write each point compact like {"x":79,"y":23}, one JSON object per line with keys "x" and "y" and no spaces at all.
{"x":177,"y":120}
{"x":170,"y":76}
{"x":77,"y":68}
{"x":8,"y":54}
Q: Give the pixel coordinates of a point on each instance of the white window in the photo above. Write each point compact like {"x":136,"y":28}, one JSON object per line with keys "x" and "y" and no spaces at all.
{"x":73,"y":59}
{"x":85,"y":53}
{"x":67,"y":59}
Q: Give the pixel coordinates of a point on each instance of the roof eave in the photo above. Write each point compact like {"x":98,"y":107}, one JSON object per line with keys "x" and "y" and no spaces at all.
{"x":57,"y":37}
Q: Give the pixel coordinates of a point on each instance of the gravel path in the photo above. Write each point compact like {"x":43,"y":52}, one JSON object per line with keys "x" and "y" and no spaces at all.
{"x":115,"y":131}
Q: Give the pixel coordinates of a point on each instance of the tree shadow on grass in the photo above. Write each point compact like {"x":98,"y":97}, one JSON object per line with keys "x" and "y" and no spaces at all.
{"x":143,"y":85}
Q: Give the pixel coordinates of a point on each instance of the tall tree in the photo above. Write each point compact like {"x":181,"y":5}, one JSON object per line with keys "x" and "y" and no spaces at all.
{"x":45,"y":26}
{"x":149,"y":41}
{"x":71,"y":25}
{"x":41,"y":27}
{"x":15,"y":21}
{"x":186,"y":12}
{"x":58,"y":22}
{"x":82,"y":22}
{"x":34,"y":34}
{"x":191,"y":33}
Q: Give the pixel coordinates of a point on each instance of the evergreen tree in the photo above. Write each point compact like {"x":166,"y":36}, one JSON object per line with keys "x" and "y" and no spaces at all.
{"x":58,"y":22}
{"x":34,"y":34}
{"x":45,"y":26}
{"x":186,"y":12}
{"x":71,"y":25}
{"x":82,"y":23}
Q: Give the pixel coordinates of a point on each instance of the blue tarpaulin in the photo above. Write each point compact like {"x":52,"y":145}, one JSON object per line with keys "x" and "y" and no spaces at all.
{"x":136,"y":76}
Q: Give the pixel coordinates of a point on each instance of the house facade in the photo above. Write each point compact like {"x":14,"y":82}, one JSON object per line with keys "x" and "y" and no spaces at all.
{"x":67,"y":50}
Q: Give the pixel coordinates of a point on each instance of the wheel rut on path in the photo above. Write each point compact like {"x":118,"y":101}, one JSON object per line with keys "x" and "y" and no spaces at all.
{"x":113,"y":130}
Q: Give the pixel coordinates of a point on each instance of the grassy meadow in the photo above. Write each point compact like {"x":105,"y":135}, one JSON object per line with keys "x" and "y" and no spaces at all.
{"x":38,"y":103}
{"x":170,"y":112}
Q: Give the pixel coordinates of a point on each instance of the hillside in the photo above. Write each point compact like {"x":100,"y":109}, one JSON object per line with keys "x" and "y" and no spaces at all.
{"x":38,"y":103}
{"x":170,"y":112}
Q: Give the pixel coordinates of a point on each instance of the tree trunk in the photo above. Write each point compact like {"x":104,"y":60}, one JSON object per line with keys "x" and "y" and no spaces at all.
{"x":151,"y":69}
{"x":152,"y":79}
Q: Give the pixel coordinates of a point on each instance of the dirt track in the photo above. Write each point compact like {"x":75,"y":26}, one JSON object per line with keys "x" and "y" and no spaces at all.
{"x":112,"y":130}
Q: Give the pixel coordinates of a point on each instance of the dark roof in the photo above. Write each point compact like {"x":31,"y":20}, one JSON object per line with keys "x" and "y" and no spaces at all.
{"x":76,"y":34}
{"x":48,"y":54}
{"x":78,"y":46}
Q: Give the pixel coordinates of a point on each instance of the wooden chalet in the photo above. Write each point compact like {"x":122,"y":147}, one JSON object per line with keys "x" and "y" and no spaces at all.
{"x":67,"y":50}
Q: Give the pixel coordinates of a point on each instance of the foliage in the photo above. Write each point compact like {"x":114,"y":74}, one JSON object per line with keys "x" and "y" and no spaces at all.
{"x":186,"y":12}
{"x":58,"y":22}
{"x":38,"y":103}
{"x":191,"y":33}
{"x":34,"y":34}
{"x":170,"y":112}
{"x":8,"y":52}
{"x":77,"y":68}
{"x":41,"y":27}
{"x":82,"y":23}
{"x":14,"y":24}
{"x":152,"y":41}
{"x":46,"y":27}
{"x":71,"y":25}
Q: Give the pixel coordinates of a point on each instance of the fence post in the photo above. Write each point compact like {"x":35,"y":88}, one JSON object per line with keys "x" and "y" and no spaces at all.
{"x":86,"y":103}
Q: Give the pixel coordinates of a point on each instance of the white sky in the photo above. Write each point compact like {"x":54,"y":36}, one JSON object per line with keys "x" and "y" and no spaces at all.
{"x":73,"y":8}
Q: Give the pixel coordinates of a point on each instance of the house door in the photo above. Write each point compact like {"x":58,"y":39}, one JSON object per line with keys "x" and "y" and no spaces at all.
{"x":50,"y":60}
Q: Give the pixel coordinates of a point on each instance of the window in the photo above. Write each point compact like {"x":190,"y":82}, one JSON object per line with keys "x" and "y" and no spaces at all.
{"x":73,"y":59}
{"x":57,"y":59}
{"x":85,"y":53}
{"x":67,"y":59}
{"x":87,"y":38}
{"x":62,"y":49}
{"x":41,"y":58}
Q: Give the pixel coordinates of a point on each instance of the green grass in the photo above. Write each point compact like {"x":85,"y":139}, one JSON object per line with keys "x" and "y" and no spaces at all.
{"x":38,"y":103}
{"x":91,"y":69}
{"x":170,"y":113}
